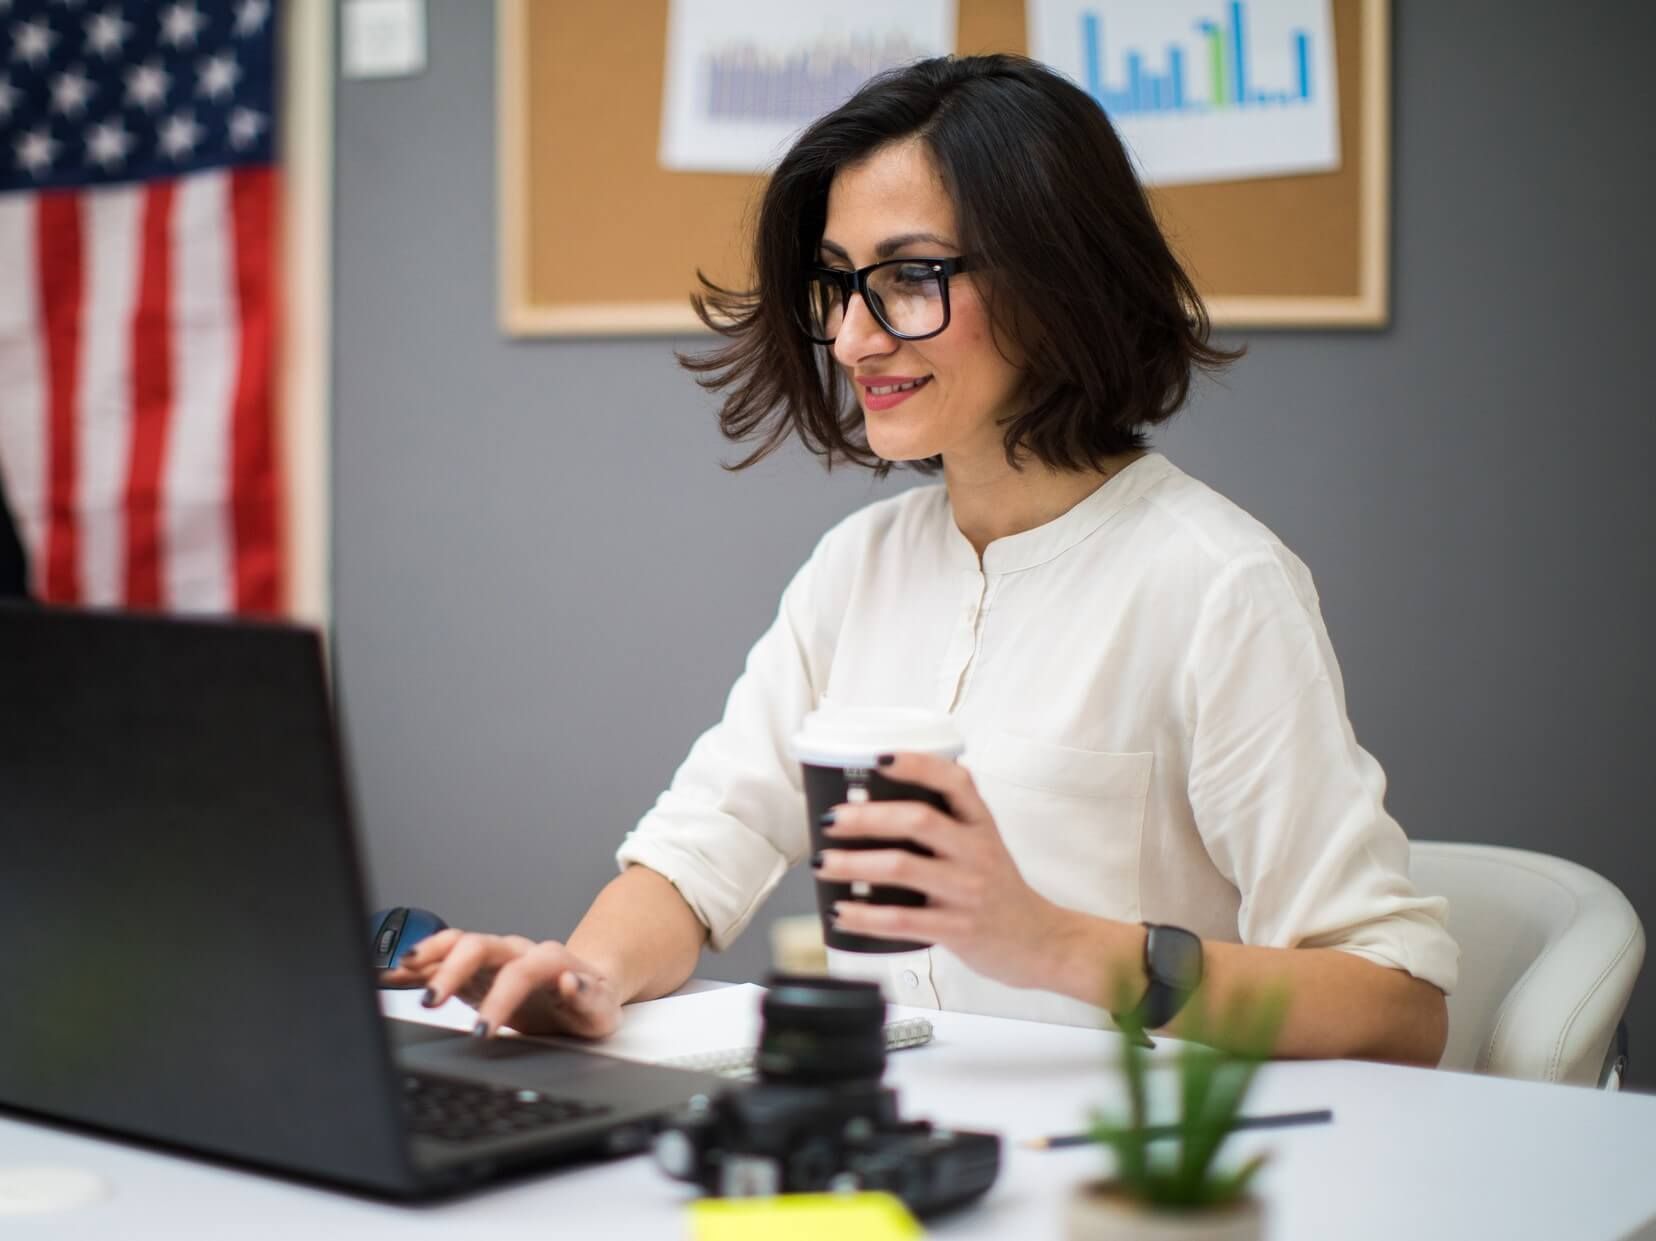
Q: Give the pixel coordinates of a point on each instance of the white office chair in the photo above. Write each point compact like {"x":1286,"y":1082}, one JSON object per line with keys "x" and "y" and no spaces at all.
{"x":1549,"y":954}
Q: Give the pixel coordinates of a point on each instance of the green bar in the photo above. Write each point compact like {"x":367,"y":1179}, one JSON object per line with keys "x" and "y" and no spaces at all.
{"x":1216,"y":46}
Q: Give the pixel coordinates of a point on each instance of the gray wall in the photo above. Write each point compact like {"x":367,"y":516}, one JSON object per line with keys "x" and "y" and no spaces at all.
{"x":544,"y":583}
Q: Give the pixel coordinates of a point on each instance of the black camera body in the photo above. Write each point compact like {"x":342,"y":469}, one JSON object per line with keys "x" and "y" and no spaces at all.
{"x":819,"y":1120}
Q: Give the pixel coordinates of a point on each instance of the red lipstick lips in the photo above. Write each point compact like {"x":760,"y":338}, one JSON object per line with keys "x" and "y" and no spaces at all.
{"x":885,"y":391}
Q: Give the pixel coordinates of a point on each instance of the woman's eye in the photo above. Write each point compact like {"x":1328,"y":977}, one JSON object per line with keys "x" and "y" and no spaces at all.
{"x":913,"y":275}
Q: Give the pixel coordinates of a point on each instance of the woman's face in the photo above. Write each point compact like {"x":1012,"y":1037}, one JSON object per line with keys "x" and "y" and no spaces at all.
{"x":893,"y":205}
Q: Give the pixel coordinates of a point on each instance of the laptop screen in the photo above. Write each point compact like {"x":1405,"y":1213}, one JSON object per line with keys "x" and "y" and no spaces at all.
{"x":187,"y":959}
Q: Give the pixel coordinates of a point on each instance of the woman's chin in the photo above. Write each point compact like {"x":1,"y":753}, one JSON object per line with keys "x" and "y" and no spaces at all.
{"x":898,"y":448}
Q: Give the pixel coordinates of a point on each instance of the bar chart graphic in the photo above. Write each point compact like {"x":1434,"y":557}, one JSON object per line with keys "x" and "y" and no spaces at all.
{"x":743,"y":81}
{"x":743,"y":77}
{"x":1221,"y":78}
{"x":1203,"y":89}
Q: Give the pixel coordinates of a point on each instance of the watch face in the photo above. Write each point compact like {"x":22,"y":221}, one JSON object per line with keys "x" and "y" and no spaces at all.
{"x":1175,"y":956}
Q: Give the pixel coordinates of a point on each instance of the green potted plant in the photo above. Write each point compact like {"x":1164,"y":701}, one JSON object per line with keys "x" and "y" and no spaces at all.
{"x":1167,"y":1183}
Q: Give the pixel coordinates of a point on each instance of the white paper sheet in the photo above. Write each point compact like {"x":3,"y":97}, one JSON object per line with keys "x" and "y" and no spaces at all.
{"x":710,"y":1020}
{"x":689,"y":1025}
{"x":1203,"y":90}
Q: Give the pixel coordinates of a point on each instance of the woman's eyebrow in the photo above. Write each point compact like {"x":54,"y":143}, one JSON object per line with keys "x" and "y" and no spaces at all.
{"x":889,"y":246}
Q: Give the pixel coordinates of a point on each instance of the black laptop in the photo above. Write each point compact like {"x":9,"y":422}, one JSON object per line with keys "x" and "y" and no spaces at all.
{"x":184,"y":952}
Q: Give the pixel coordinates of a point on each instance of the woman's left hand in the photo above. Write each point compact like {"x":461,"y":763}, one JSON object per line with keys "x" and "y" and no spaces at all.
{"x":977,"y":903}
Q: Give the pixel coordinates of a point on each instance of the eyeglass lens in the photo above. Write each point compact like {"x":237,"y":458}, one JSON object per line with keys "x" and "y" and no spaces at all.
{"x":907,"y":299}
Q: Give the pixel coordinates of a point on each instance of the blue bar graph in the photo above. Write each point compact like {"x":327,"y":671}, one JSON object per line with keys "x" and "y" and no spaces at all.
{"x":1093,"y":53}
{"x":1239,"y":60}
{"x":1142,"y":87}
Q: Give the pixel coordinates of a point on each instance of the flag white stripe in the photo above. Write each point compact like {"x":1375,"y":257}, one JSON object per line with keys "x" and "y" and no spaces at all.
{"x":197,"y":568}
{"x":113,"y":221}
{"x":22,"y":377}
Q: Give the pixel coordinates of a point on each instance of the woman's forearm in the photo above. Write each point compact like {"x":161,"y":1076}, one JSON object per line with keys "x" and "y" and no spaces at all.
{"x":1339,"y":1005}
{"x":641,"y":934}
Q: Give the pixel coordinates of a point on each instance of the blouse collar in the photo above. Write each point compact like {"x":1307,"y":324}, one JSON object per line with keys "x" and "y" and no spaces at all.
{"x":1036,"y":546}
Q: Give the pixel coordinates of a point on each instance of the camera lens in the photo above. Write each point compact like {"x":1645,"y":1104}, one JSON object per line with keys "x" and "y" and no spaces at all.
{"x":821,"y":1030}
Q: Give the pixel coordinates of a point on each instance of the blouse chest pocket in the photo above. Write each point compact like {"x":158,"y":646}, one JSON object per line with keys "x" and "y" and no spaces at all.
{"x":1072,"y":819}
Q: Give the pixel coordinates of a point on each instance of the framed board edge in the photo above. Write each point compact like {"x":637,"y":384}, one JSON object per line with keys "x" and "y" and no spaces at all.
{"x":1370,"y":306}
{"x":603,"y":319}
{"x":303,"y":375}
{"x":511,"y":174}
{"x":1374,"y":217}
{"x":521,"y":316}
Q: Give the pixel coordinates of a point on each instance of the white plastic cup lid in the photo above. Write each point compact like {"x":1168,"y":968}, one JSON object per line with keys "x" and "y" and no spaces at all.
{"x":857,"y":736}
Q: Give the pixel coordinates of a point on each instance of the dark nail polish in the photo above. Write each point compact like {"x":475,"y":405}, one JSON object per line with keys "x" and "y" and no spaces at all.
{"x":480,"y":1030}
{"x":885,"y":760}
{"x":429,"y":999}
{"x":816,"y":861}
{"x":826,"y":818}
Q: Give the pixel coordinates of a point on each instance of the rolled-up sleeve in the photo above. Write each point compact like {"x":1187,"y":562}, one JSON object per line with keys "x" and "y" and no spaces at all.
{"x":733,"y":819}
{"x":1289,"y":806}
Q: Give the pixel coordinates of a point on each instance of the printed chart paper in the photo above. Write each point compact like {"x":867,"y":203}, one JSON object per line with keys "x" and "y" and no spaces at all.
{"x":744,"y":77}
{"x":1203,"y":90}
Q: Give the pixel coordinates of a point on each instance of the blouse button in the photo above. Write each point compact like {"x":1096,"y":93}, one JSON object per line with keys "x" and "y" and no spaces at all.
{"x":911,"y":980}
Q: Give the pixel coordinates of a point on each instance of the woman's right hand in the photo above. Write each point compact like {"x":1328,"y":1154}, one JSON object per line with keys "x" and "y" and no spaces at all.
{"x":536,"y":988}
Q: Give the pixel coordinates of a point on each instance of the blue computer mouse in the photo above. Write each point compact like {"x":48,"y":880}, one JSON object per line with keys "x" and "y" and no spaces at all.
{"x":394,"y":931}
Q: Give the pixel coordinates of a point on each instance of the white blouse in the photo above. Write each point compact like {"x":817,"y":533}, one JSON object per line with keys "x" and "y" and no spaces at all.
{"x":1152,"y":712}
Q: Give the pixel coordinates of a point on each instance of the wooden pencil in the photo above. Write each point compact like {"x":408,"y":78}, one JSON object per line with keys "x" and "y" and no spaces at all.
{"x":1278,"y":1120}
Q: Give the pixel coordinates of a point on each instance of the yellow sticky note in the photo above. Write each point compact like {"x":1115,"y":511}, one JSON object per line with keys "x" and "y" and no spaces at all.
{"x":803,"y":1217}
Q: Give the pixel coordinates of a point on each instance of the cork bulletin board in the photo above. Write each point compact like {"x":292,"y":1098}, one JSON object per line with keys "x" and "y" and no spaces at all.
{"x":597,"y":239}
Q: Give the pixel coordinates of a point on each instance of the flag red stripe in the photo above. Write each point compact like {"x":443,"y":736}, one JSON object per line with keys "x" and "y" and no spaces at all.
{"x":152,"y":391}
{"x":62,"y":260}
{"x":254,"y":494}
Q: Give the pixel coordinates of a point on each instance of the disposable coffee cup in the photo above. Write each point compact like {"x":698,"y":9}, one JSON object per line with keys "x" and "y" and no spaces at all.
{"x":838,"y":750}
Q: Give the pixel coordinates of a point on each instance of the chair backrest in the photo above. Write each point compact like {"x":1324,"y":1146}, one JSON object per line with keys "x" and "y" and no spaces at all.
{"x":1549,"y":954}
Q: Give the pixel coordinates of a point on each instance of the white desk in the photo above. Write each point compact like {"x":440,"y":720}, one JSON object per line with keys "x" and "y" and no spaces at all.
{"x":1411,"y":1155}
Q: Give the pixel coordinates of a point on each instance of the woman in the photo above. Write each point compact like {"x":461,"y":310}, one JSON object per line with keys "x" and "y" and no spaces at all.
{"x":1155,"y":724}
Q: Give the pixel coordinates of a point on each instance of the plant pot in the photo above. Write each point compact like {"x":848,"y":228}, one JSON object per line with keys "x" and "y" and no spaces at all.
{"x":1099,"y":1211}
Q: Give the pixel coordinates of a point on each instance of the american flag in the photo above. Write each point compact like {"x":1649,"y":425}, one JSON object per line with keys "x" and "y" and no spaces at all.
{"x":138,"y":300}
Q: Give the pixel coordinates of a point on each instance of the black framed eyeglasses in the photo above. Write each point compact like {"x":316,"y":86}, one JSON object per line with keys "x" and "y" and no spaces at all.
{"x":909,"y":297}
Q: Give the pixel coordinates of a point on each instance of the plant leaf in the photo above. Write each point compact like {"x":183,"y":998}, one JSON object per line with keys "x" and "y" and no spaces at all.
{"x":1231,"y":1081}
{"x":1216,"y":1069}
{"x":1248,"y":1032}
{"x":1132,"y":1153}
{"x":1198,"y":1066}
{"x":1233,"y":1185}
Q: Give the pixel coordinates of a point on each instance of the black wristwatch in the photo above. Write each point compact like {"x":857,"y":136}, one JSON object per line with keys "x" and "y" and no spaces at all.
{"x":1173,"y":960}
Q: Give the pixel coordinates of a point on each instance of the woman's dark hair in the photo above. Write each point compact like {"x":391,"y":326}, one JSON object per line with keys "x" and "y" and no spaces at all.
{"x":1076,"y":272}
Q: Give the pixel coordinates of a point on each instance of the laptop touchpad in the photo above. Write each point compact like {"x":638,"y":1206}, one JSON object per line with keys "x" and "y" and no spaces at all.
{"x":503,"y":1061}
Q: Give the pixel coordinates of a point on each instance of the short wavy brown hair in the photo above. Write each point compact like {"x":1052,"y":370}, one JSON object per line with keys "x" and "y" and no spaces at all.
{"x":1076,"y":271}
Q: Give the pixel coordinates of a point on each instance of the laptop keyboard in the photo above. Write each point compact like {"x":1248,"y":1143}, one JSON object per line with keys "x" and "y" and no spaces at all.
{"x":458,"y":1111}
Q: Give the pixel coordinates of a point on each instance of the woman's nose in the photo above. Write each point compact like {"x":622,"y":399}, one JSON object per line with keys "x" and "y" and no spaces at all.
{"x":860,"y":335}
